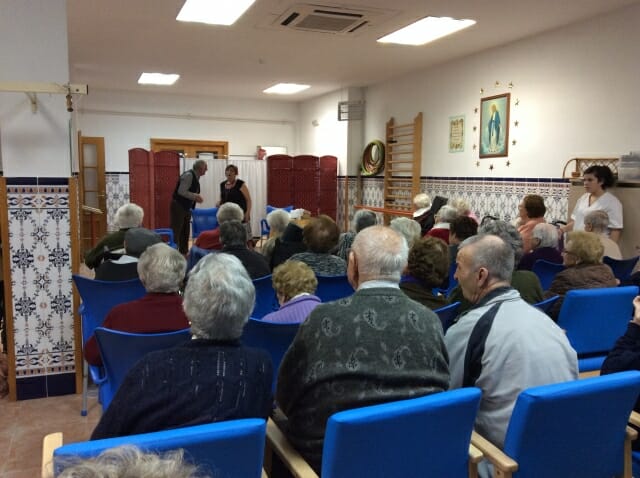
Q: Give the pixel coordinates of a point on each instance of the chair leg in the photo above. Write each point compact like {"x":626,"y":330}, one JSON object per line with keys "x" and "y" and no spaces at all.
{"x":85,"y":387}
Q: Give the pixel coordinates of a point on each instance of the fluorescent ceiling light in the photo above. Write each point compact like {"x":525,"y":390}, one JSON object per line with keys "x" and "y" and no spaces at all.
{"x":213,"y":12}
{"x":157,"y":79}
{"x":426,"y":30}
{"x":286,"y":88}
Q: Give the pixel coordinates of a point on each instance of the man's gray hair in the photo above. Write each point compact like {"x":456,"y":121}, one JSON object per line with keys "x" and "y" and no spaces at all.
{"x":219,"y":297}
{"x":161,"y":269}
{"x":546,"y":233}
{"x":493,"y":253}
{"x":199,"y":164}
{"x":233,"y":233}
{"x":598,"y":220}
{"x":229,"y":211}
{"x":507,"y":232}
{"x":421,"y":200}
{"x":363,"y":218}
{"x":129,"y":215}
{"x":278,"y":220}
{"x":408,"y":228}
{"x":381,"y":253}
{"x":447,"y":213}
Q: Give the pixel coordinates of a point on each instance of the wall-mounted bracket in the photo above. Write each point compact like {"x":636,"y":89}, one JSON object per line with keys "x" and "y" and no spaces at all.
{"x":32,"y":88}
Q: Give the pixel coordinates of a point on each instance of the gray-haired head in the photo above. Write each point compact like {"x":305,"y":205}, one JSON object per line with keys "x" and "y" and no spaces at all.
{"x":161,"y":269}
{"x":363,"y":218}
{"x":408,"y":228}
{"x":229,"y":211}
{"x":596,"y":221}
{"x":507,"y":232}
{"x":492,"y":253}
{"x":546,"y":233}
{"x":447,"y":213}
{"x":421,"y":200}
{"x":461,"y":205}
{"x":233,"y":234}
{"x":138,"y":239}
{"x":219,"y":297}
{"x":381,"y":253}
{"x":199,"y":165}
{"x":129,"y":215}
{"x":277,"y":221}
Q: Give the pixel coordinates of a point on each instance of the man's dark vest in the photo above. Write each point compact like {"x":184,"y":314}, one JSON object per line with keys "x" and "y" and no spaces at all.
{"x":194,"y":188}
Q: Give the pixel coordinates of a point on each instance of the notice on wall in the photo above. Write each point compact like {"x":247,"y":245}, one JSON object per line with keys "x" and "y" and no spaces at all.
{"x":456,"y":134}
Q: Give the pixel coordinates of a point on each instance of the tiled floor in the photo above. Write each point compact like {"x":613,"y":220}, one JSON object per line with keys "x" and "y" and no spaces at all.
{"x":23,"y":424}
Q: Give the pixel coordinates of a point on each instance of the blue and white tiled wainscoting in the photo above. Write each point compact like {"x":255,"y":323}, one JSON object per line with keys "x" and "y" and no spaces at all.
{"x":117,"y":195}
{"x":497,"y":197}
{"x":39,"y":256}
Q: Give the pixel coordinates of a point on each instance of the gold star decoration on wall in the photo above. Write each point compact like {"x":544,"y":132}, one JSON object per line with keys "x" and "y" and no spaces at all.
{"x":497,"y":83}
{"x":508,"y":163}
{"x":475,"y":128}
{"x":516,"y":123}
{"x":517,"y":101}
{"x":481,"y":90}
{"x":510,"y":85}
{"x":475,"y":111}
{"x":513,"y":143}
{"x":491,"y":167}
{"x":478,"y":163}
{"x":475,"y":146}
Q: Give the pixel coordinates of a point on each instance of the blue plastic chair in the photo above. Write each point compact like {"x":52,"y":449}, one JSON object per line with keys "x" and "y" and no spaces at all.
{"x":623,"y":268}
{"x":230,"y":449}
{"x":451,"y":281}
{"x":546,"y":271}
{"x":574,"y":428}
{"x":167,"y":233}
{"x":273,"y":337}
{"x":594,"y":319}
{"x":333,"y":287}
{"x":195,"y":254}
{"x":98,"y":298}
{"x":266,"y":301}
{"x":419,"y":437}
{"x":448,"y":314}
{"x":203,"y":220}
{"x":121,"y":350}
{"x":264,"y":225}
{"x":545,"y":305}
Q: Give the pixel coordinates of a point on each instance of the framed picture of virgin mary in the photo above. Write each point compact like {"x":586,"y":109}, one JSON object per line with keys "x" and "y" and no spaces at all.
{"x":494,"y":126}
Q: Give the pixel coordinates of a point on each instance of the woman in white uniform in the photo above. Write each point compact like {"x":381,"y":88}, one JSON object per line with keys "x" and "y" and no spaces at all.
{"x":596,"y":181}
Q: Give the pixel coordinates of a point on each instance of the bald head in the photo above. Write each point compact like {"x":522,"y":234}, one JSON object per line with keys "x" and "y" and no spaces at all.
{"x":377,"y":253}
{"x":492,"y":253}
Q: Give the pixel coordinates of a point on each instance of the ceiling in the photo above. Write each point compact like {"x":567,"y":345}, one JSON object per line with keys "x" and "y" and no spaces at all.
{"x":112,"y":42}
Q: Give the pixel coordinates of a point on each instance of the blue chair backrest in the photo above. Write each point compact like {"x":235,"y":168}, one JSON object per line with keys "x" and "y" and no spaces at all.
{"x":595,"y":318}
{"x":273,"y":208}
{"x":230,"y":449}
{"x":448,"y":314}
{"x":121,"y":350}
{"x":271,"y":336}
{"x":264,"y":225}
{"x":574,"y":428}
{"x":546,"y":271}
{"x":333,"y":287}
{"x":99,"y":297}
{"x":167,"y":233}
{"x":266,"y":301}
{"x":425,"y":436}
{"x":203,"y":220}
{"x":623,"y":268}
{"x":195,"y":254}
{"x":545,"y":305}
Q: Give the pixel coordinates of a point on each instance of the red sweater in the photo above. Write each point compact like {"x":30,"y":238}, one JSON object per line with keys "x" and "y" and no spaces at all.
{"x":153,"y":313}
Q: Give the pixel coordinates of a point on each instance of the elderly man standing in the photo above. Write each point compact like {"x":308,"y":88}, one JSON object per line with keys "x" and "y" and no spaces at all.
{"x":375,"y":346}
{"x":185,"y":196}
{"x":502,"y":344}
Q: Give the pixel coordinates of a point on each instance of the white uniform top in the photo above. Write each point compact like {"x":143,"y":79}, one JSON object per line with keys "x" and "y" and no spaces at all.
{"x":607,"y":202}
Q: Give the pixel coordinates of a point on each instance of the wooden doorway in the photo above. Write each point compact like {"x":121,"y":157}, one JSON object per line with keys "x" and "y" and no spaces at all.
{"x":192,"y":148}
{"x":93,"y":195}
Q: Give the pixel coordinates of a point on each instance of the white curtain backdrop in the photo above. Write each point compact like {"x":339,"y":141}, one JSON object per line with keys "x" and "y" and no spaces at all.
{"x":252,"y":171}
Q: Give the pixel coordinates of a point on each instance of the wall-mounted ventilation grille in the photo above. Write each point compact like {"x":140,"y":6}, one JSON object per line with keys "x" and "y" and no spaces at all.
{"x":328,"y":19}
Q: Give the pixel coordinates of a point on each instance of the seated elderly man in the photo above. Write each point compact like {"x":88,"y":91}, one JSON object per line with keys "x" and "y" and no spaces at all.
{"x":408,"y":228}
{"x":321,"y":237}
{"x":210,"y":378}
{"x":544,"y":241}
{"x":598,"y":223}
{"x":125,"y":267}
{"x":233,"y":236}
{"x":373,"y":347}
{"x":127,"y":216}
{"x":211,"y":239}
{"x":161,"y":269}
{"x":361,"y":219}
{"x":502,"y":344}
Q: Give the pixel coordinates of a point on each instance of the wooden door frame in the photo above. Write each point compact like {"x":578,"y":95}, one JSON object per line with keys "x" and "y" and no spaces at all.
{"x":101,"y":193}
{"x":190,"y":146}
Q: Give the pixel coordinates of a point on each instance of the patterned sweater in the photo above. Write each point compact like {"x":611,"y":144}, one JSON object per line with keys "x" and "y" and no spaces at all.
{"x":375,"y":346}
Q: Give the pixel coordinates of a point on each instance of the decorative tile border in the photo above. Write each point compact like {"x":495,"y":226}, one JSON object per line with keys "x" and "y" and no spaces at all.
{"x":117,"y":195}
{"x":41,"y":290}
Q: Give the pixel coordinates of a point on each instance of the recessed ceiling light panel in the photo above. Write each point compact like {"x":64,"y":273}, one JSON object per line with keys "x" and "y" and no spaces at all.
{"x":286,"y":88}
{"x":426,"y":30}
{"x":157,"y":79}
{"x":213,"y":12}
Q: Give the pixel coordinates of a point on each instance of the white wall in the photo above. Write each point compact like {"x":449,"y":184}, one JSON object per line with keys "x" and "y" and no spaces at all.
{"x":33,"y":48}
{"x":578,"y":92}
{"x":128,"y":120}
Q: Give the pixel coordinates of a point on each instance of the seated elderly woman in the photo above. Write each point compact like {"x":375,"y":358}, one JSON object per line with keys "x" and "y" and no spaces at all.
{"x":407,"y":228}
{"x":362,"y":219}
{"x":295,"y":285}
{"x":464,"y":208}
{"x":321,"y":237}
{"x":598,"y":223}
{"x":428,"y":267}
{"x":210,"y":378}
{"x":127,"y":216}
{"x":531,"y":212}
{"x":582,"y":257}
{"x":422,"y":204}
{"x":229,"y":211}
{"x":161,"y":269}
{"x":278,"y":219}
{"x":444,"y":216}
{"x":233,"y":236}
{"x":544,"y":241}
